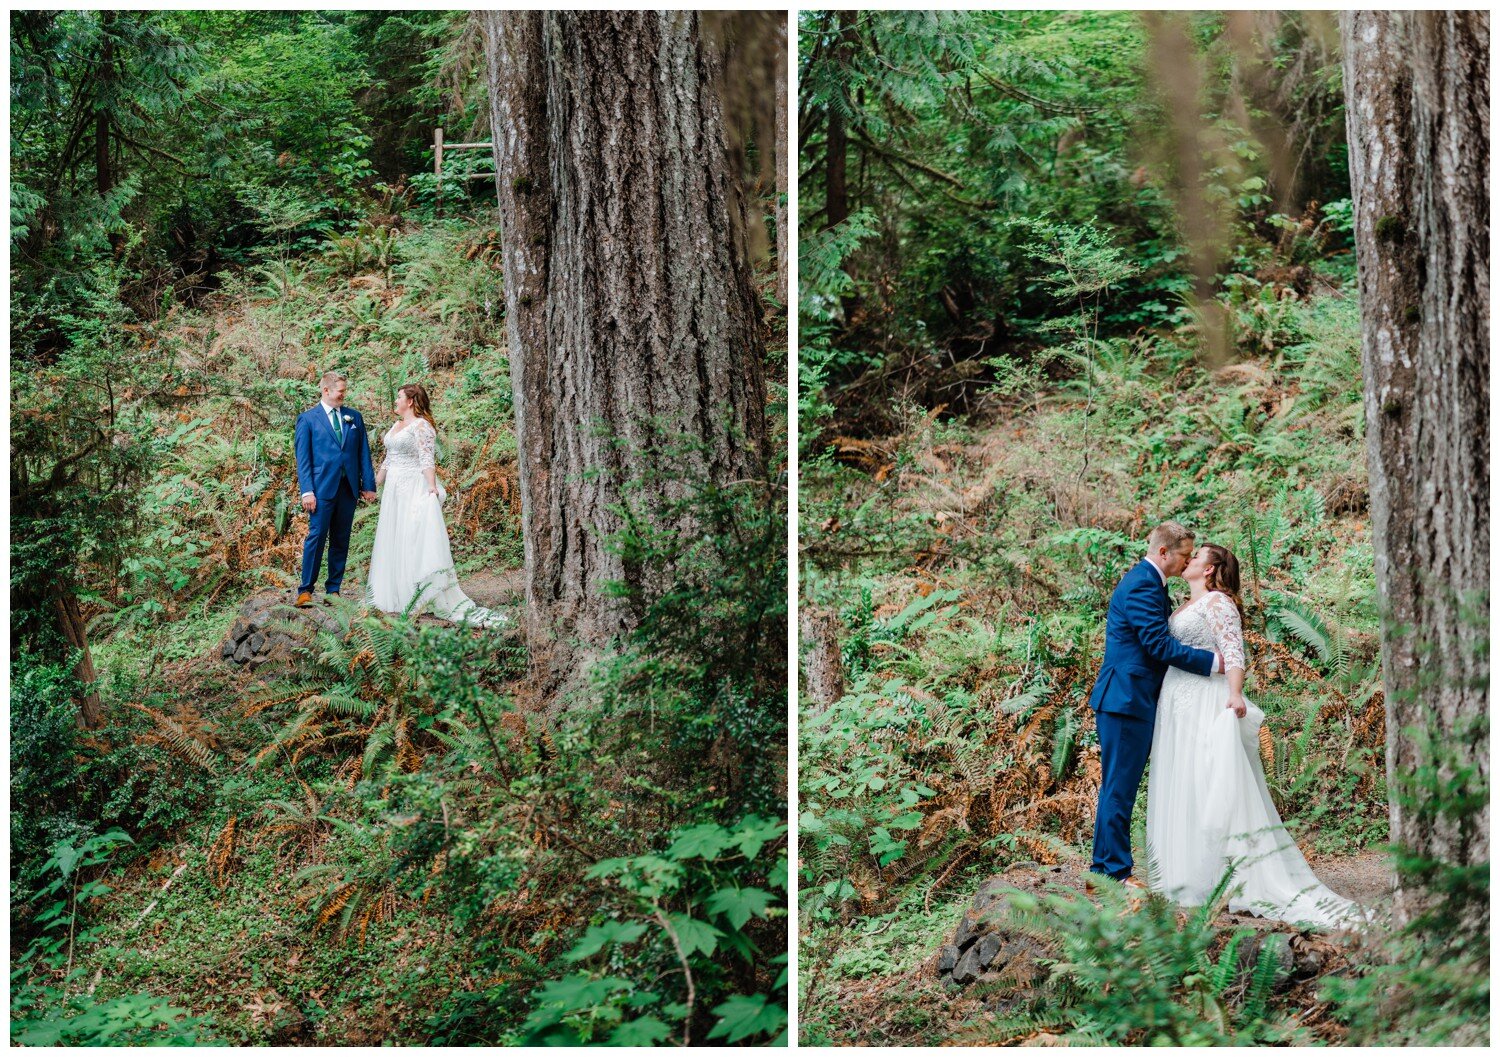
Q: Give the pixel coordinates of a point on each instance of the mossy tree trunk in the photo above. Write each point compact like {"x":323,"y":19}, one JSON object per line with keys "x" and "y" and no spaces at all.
{"x":630,"y":308}
{"x":1417,"y":88}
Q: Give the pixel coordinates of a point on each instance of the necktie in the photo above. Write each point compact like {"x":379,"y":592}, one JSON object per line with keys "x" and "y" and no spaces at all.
{"x":338,"y":429}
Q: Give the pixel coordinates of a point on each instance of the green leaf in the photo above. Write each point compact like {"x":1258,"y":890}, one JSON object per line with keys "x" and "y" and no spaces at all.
{"x":600,"y":936}
{"x":571,"y":994}
{"x":694,"y":935}
{"x":755,"y":833}
{"x":645,"y":1031}
{"x":701,"y":842}
{"x":66,"y":857}
{"x":739,"y":905}
{"x":743,"y":1016}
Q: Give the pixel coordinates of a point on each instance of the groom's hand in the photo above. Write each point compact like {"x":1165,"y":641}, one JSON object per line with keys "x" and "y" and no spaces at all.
{"x":309,"y":502}
{"x":368,"y":497}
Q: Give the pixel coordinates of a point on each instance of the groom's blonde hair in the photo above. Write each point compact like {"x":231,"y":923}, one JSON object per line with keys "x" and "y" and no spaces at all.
{"x":1168,"y":534}
{"x":331,"y":379}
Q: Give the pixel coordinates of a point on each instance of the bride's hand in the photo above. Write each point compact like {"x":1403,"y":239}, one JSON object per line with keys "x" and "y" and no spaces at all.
{"x":1237,"y":702}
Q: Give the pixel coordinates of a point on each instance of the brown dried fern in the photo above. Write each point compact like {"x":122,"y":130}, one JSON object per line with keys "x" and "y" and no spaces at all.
{"x":221,"y":853}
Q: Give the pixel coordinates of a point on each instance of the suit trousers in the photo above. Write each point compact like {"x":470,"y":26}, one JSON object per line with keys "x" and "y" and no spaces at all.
{"x":329,"y":525}
{"x":1124,"y":748}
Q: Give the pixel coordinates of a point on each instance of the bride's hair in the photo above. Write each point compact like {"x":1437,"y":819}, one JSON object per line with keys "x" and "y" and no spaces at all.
{"x":1224,"y":574}
{"x":421,"y":403}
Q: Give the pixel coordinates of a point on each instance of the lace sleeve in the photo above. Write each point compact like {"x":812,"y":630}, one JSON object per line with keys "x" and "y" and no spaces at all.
{"x":426,"y":445}
{"x":1224,"y":618}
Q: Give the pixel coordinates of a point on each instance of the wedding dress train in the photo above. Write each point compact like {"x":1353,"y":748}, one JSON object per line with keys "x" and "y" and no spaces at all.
{"x":1207,"y":804}
{"x":412,"y":558}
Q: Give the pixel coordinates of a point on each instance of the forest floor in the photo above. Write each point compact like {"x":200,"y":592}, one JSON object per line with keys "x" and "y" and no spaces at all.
{"x":907,"y":1004}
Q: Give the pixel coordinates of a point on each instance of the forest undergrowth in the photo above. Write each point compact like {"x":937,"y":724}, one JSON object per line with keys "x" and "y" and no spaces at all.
{"x":963,"y":567}
{"x":387,"y":839}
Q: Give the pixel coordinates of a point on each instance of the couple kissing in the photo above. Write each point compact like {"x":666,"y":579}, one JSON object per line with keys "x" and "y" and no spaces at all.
{"x":1170,"y":692}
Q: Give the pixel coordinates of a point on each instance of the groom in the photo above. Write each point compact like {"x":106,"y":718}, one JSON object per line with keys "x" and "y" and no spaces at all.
{"x":333,"y":467}
{"x":1138,"y":650}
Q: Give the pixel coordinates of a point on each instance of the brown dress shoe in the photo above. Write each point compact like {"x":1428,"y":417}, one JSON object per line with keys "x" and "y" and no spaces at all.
{"x":304,"y":600}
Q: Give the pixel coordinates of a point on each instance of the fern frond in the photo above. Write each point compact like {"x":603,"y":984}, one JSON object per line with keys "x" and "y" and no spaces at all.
{"x":1267,"y":970}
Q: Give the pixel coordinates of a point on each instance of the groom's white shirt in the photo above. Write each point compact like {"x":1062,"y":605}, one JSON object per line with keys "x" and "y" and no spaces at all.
{"x":327,"y":410}
{"x":1218,"y":661}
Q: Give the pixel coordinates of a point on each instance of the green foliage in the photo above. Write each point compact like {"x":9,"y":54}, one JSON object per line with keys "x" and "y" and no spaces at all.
{"x":709,"y":600}
{"x":1149,"y":977}
{"x":1427,"y":981}
{"x":392,"y":690}
{"x":43,"y":734}
{"x":48,"y":1004}
{"x":690,"y":904}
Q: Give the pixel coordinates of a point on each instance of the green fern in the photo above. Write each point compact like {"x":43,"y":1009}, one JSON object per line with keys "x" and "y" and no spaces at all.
{"x":1064,"y":742}
{"x":1263,"y":979}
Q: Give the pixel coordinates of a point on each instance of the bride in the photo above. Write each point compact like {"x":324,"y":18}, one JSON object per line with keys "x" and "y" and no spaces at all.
{"x":1207,"y":804}
{"x":412,"y":560}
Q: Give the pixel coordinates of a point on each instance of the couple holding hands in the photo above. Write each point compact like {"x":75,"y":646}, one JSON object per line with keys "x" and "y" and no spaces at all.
{"x":411,"y":565}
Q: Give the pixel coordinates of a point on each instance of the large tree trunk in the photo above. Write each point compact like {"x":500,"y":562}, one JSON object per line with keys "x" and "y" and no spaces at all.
{"x":104,"y":175}
{"x":626,"y":299}
{"x":836,"y":167}
{"x":1417,"y":88}
{"x":782,"y":187}
{"x":70,"y":622}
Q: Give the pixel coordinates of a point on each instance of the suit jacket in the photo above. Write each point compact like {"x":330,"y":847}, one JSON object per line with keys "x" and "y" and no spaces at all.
{"x":322,"y":462}
{"x":1139,"y":647}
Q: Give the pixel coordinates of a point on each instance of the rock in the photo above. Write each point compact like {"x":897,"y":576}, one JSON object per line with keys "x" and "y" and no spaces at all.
{"x":1249,"y":955}
{"x":947,"y":958}
{"x":1310,"y":956}
{"x":987,"y":948}
{"x":969,"y":929}
{"x":988,"y":893}
{"x":967,"y":969}
{"x":258,"y":635}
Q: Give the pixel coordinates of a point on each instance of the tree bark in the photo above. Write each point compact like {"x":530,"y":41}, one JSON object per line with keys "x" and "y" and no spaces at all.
{"x":104,"y":175}
{"x":822,"y":662}
{"x":836,"y":168}
{"x":1417,"y":112}
{"x":782,"y":187}
{"x":632,"y":319}
{"x":74,"y":630}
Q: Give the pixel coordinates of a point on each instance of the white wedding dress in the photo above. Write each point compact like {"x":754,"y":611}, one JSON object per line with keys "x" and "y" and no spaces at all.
{"x":1207,"y":804}
{"x":412,"y":559}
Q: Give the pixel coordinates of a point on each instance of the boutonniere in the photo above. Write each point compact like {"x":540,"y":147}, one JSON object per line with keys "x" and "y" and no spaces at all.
{"x":349,"y":419}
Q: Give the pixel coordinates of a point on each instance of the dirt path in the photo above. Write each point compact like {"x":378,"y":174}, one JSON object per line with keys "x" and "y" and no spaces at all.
{"x":493,"y":589}
{"x":1367,"y":877}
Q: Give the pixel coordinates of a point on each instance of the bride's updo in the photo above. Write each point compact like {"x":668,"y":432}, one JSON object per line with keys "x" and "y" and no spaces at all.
{"x":421,"y":403}
{"x":1223,"y":574}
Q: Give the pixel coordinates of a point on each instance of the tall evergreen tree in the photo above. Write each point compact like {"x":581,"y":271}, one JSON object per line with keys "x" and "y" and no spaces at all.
{"x":631,"y":314}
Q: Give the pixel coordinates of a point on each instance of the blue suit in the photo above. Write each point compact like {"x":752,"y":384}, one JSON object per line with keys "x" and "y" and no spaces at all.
{"x":1138,"y":650}
{"x":335,"y":473}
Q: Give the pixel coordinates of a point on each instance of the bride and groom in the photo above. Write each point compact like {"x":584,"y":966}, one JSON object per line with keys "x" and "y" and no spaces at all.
{"x":1171,"y":689}
{"x":411,"y":566}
